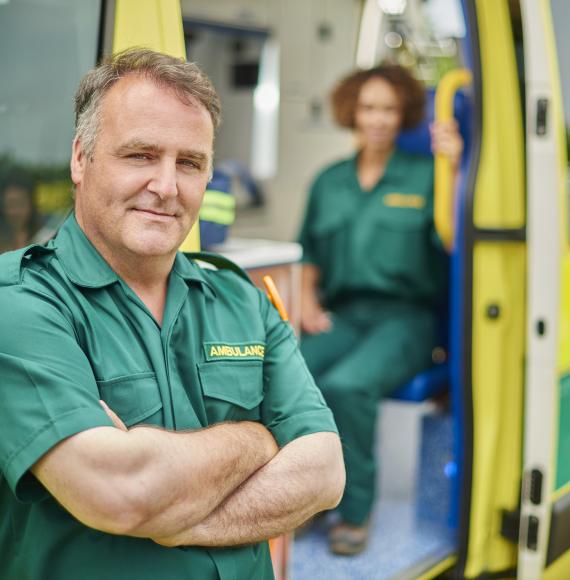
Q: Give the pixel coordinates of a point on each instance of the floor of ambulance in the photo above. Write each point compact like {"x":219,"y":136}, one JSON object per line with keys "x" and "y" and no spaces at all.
{"x":410,"y":531}
{"x":401,"y":545}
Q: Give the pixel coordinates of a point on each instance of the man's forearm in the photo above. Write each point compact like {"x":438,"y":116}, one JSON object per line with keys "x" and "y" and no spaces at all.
{"x":305,"y":477}
{"x":152,"y":482}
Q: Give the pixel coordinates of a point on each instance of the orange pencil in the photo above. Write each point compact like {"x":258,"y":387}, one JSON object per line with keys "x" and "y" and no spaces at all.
{"x":274,"y":297}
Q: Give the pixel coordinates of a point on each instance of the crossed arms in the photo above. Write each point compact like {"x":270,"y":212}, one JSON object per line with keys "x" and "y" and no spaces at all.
{"x":225,"y":485}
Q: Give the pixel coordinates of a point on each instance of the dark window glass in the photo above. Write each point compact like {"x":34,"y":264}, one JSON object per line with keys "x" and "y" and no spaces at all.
{"x":46,"y":46}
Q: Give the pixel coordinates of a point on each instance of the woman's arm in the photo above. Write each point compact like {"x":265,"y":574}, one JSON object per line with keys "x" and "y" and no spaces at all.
{"x":314,"y":319}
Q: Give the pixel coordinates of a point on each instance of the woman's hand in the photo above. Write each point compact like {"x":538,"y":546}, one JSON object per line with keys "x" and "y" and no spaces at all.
{"x":446,"y":140}
{"x":314,"y":319}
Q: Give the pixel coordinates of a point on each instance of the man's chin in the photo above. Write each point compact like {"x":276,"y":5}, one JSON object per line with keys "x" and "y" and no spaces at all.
{"x":153,"y":247}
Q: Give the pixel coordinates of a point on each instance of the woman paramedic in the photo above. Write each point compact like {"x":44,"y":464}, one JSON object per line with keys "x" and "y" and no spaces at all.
{"x":373,"y":270}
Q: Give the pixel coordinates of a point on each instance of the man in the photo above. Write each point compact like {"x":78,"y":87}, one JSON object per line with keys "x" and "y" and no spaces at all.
{"x":210,"y":436}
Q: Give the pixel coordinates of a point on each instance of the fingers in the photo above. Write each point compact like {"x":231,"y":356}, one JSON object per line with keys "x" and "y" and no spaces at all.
{"x":114,"y":417}
{"x":325,"y":323}
{"x":446,"y":140}
{"x":315,"y":322}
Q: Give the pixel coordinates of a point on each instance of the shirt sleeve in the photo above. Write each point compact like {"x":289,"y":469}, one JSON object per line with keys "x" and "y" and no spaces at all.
{"x":47,"y":389}
{"x":293,"y":405}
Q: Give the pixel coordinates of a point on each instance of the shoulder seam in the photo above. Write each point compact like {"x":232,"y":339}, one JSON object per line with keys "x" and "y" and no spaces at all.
{"x":220,"y":262}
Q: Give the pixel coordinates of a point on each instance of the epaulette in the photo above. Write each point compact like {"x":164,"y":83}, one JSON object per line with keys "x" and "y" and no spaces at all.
{"x":219,"y":262}
{"x":11,"y":262}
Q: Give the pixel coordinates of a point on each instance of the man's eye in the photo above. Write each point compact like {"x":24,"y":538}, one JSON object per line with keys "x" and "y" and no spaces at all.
{"x":189,"y":163}
{"x":140,"y":156}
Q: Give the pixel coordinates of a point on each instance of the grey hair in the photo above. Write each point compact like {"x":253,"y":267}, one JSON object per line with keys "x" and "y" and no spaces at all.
{"x":188,"y":81}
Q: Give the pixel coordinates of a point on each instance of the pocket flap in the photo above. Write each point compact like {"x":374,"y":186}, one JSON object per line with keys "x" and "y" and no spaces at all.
{"x":237,"y":382}
{"x":330,"y":221}
{"x":403,"y":218}
{"x":132,"y":397}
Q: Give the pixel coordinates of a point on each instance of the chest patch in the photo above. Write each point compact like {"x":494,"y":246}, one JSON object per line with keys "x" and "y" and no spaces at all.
{"x":234,"y":351}
{"x":411,"y":200}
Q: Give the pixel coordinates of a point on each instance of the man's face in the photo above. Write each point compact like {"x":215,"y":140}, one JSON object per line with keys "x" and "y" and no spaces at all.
{"x":141,"y":192}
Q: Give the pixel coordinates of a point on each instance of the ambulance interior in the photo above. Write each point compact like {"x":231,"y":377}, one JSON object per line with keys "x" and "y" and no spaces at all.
{"x":416,"y":517}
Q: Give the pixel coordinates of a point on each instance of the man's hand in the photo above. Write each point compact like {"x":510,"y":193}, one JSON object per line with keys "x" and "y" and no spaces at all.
{"x":148,"y":482}
{"x":307,"y":476}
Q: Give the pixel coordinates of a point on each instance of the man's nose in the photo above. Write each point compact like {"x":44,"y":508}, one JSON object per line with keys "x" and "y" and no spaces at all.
{"x":164,"y":180}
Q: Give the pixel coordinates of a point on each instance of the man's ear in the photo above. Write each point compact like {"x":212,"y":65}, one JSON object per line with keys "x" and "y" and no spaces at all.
{"x":78,"y":161}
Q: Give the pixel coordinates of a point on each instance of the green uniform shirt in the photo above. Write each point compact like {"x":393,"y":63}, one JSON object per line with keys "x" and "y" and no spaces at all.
{"x":378,"y":242}
{"x":72,"y":332}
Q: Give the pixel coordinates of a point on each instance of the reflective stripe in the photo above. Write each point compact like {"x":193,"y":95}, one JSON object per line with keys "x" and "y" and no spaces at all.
{"x":217,"y":215}
{"x":219,"y":199}
{"x":218,"y":207}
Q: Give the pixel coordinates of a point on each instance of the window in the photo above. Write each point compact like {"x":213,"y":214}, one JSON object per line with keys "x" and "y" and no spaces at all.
{"x":46,"y":46}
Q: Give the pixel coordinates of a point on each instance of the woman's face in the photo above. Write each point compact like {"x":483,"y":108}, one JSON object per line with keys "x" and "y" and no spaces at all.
{"x":378,"y":115}
{"x":17,"y":206}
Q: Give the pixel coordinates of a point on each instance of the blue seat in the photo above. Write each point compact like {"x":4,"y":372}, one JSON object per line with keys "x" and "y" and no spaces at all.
{"x":426,"y":385}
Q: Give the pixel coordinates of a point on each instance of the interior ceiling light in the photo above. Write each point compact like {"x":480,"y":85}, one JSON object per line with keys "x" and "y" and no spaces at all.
{"x":392,"y":7}
{"x":393,"y":40}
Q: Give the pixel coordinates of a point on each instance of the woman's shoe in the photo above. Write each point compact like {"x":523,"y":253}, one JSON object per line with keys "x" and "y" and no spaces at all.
{"x":348,"y":540}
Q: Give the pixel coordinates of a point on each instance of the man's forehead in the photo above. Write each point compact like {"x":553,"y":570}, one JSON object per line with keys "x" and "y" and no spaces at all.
{"x":144,"y":114}
{"x":137,"y":88}
{"x":141,"y":144}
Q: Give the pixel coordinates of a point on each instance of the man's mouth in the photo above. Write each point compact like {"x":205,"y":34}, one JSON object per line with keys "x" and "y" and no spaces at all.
{"x":155,"y":214}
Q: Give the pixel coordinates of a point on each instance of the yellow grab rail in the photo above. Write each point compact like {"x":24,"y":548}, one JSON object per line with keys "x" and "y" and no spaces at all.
{"x":443,"y":178}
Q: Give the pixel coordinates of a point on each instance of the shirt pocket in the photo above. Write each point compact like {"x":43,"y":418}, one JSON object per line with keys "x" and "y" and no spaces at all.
{"x":400,"y":245}
{"x":332,"y":246}
{"x":233,"y":391}
{"x":135,"y":398}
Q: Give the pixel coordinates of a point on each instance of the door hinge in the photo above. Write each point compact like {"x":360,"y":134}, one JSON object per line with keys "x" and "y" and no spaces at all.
{"x":535,"y":487}
{"x":532,"y":533}
{"x":510,"y":525}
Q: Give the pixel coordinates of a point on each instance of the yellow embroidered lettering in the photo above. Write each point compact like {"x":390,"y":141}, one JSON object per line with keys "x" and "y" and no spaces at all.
{"x":407,"y":200}
{"x":236,"y":351}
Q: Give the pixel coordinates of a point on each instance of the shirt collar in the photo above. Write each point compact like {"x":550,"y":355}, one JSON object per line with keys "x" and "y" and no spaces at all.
{"x":85,"y":266}
{"x":396,"y":168}
{"x":82,"y":263}
{"x":190,"y":271}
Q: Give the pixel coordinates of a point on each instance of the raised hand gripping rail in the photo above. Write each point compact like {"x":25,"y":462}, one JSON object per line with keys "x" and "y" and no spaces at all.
{"x":443,"y":177}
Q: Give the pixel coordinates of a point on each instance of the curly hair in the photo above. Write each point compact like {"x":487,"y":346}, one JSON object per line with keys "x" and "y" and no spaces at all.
{"x":344,"y":96}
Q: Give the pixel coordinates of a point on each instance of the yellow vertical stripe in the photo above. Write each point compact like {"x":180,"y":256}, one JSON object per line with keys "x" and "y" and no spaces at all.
{"x":155,"y":24}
